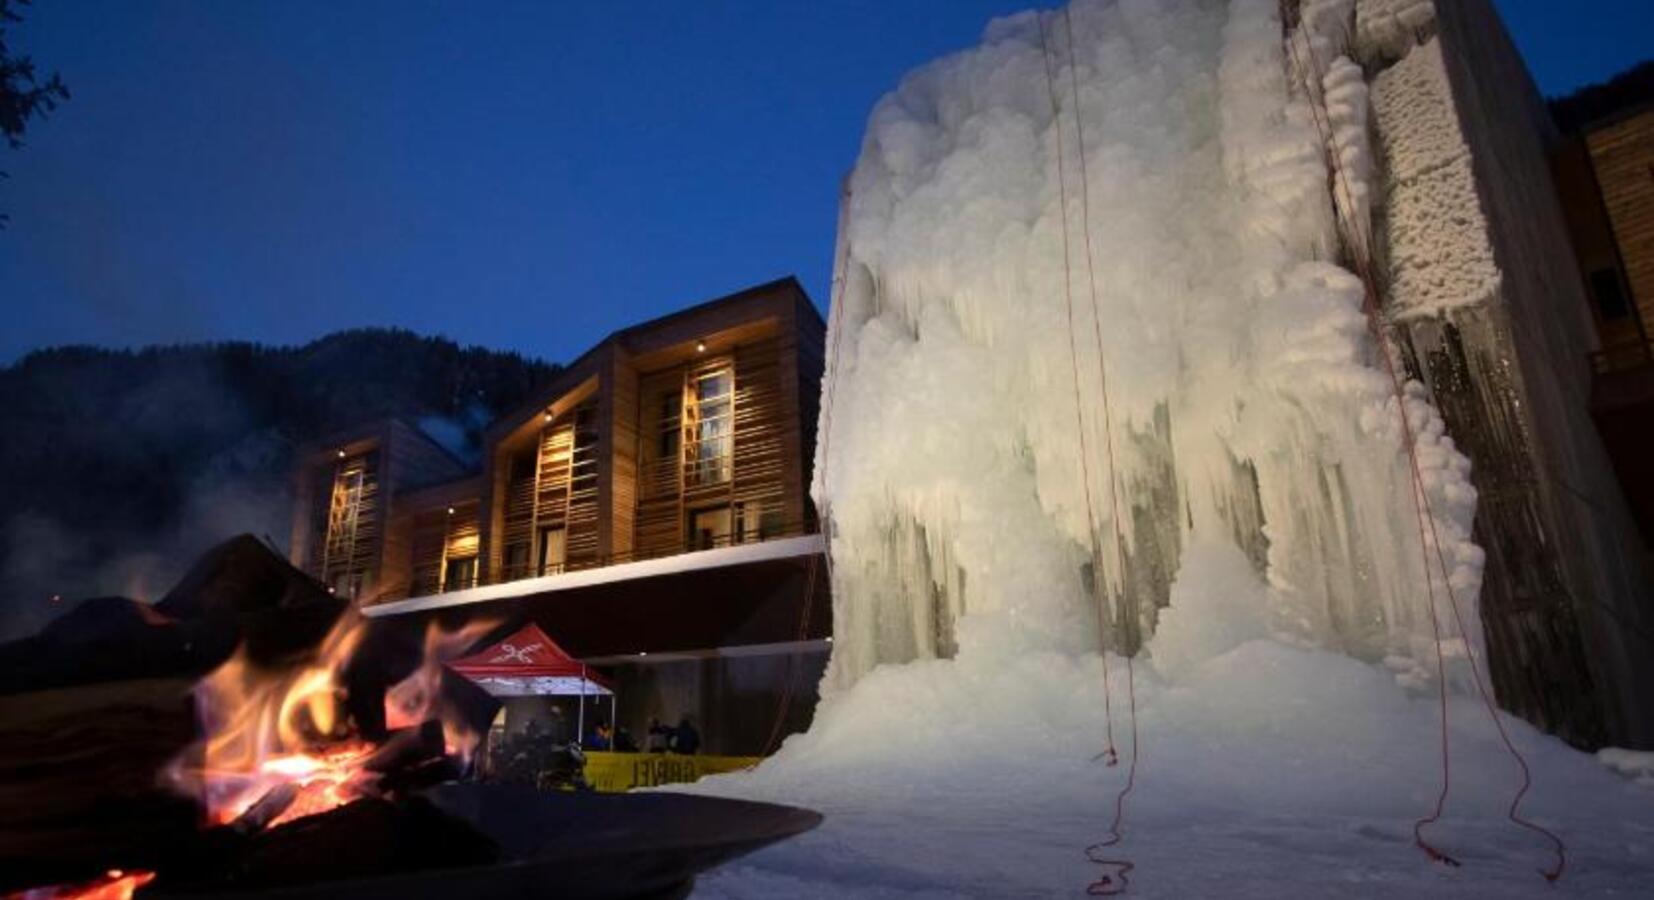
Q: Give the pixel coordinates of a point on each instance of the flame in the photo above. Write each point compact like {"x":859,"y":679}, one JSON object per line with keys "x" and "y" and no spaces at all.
{"x":267,"y":728}
{"x":418,"y":698}
{"x":115,"y":884}
{"x":287,"y":733}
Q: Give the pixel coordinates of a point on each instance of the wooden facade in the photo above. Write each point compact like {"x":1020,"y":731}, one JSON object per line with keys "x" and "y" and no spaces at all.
{"x":350,"y":522}
{"x":690,"y":432}
{"x":1622,"y":156}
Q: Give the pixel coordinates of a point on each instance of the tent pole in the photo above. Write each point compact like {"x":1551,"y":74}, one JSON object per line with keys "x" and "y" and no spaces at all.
{"x":580,"y":719}
{"x":614,"y":722}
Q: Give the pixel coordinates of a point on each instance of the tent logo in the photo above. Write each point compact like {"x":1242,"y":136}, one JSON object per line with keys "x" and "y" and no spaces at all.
{"x":512,"y":653}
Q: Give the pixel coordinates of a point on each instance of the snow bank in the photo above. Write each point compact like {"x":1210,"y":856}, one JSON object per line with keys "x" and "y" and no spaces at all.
{"x":1637,"y":765}
{"x":1267,"y":770}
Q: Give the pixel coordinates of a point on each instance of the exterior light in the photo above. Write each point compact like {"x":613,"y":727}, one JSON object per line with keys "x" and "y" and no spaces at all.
{"x":642,"y":653}
{"x":57,"y":598}
{"x":548,"y":415}
{"x":450,"y":510}
{"x":829,"y":639}
{"x":700,"y":346}
{"x":341,"y":454}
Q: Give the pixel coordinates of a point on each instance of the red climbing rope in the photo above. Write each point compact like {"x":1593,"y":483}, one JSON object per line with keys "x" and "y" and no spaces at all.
{"x":1079,"y":415}
{"x":836,"y":318}
{"x":1117,"y":879}
{"x":1116,"y":882}
{"x":1361,"y":254}
{"x":784,"y":702}
{"x":1102,"y":369}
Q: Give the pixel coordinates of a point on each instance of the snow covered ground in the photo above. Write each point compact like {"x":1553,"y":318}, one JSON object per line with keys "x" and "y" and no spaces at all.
{"x":1266,"y":770}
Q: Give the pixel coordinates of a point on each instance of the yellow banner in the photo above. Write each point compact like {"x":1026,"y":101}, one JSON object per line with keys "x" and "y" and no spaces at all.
{"x":616,"y":772}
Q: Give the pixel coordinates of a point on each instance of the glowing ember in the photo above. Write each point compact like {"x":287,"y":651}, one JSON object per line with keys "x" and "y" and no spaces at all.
{"x":114,"y":885}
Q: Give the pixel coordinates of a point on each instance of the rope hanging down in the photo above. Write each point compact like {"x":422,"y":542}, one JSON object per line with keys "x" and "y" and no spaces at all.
{"x":836,"y":319}
{"x":1104,"y":885}
{"x":1361,"y":253}
{"x":1098,"y":585}
{"x":1117,"y":880}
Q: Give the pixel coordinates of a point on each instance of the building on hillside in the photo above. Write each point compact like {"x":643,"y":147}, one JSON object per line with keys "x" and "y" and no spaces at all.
{"x":648,"y":508}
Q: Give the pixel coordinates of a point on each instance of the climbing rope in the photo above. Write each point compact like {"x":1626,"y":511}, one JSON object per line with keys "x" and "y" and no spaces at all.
{"x":836,"y":319}
{"x":1102,"y":369}
{"x":1117,"y":879}
{"x":784,"y":702}
{"x":1361,"y":251}
{"x":1079,"y":416}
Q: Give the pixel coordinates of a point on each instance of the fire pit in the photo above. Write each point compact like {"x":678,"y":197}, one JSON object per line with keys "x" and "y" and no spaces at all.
{"x":322,"y":755}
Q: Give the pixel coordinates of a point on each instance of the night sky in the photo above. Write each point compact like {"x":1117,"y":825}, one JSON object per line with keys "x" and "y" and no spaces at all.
{"x":527,"y":176}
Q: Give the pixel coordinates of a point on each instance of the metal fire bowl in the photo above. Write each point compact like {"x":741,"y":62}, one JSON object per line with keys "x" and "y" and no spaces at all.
{"x":572,"y":846}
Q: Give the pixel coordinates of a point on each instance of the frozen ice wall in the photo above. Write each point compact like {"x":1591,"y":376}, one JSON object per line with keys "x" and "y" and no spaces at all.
{"x":966,"y":463}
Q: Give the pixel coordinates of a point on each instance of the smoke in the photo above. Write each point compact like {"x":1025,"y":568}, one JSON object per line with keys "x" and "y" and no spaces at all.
{"x":49,"y":565}
{"x":119,"y":471}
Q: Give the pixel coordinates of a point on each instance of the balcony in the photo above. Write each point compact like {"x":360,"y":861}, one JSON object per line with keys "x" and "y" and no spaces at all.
{"x":700,"y":553}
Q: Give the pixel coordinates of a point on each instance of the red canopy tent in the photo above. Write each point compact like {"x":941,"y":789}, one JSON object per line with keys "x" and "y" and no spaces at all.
{"x":530,"y":664}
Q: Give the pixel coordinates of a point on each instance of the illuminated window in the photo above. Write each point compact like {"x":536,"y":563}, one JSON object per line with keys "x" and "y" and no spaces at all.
{"x":711,"y":428}
{"x":554,"y":550}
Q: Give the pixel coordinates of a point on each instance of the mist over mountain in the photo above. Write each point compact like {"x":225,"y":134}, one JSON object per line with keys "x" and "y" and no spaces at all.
{"x":117,"y":467}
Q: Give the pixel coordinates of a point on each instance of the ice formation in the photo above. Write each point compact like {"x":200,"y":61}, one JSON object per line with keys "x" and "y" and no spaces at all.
{"x":1248,"y":404}
{"x":1274,"y":586}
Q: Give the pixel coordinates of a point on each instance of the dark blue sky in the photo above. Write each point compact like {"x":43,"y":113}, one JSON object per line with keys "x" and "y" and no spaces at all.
{"x":520,"y":175}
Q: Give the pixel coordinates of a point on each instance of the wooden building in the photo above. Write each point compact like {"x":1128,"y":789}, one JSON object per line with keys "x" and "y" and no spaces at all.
{"x":648,"y":508}
{"x":1604,"y":169}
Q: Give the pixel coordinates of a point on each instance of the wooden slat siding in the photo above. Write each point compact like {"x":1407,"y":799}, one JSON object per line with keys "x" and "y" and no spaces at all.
{"x":582,"y":516}
{"x":1623,"y":156}
{"x":462,"y":538}
{"x":1592,"y":238}
{"x":320,"y":493}
{"x":763,"y":469}
{"x":517,"y":523}
{"x":428,"y":540}
{"x":411,"y":460}
{"x":618,"y":491}
{"x":415,"y":460}
{"x":695,"y":493}
{"x":565,"y":493}
{"x":658,"y":526}
{"x":353,"y":547}
{"x":808,"y":353}
{"x":551,"y":483}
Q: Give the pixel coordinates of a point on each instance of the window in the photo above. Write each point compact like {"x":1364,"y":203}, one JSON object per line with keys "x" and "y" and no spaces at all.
{"x":460,"y":573}
{"x":713,"y":429}
{"x":1605,"y":288}
{"x":516,"y":561}
{"x":709,"y":528}
{"x":554,"y":549}
{"x":351,"y":585}
{"x":671,"y":407}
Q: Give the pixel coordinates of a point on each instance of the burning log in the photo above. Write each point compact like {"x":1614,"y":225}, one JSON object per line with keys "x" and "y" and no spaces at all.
{"x":325,"y":749}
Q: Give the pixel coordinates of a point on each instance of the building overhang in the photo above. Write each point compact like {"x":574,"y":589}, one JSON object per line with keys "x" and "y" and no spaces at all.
{"x":687,"y":605}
